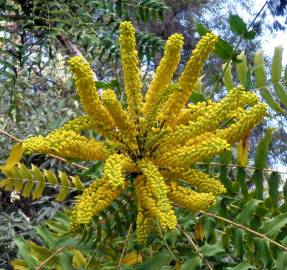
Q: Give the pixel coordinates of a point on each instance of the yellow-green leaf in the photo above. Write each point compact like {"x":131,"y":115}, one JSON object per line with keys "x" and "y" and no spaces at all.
{"x":259,"y":69}
{"x":77,"y":182}
{"x":268,"y":98}
{"x":227,"y":76}
{"x":132,"y":258}
{"x":242,"y":151}
{"x":242,"y":68}
{"x":51,"y":177}
{"x":276,"y":67}
{"x":14,"y":157}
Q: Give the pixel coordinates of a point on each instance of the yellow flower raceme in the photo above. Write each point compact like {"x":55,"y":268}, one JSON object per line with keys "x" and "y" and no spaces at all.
{"x":95,"y":198}
{"x":203,"y":182}
{"x":243,"y":126}
{"x":150,"y":149}
{"x":85,"y":84}
{"x":131,"y":70}
{"x":115,"y":166}
{"x":188,"y":78}
{"x":67,"y":144}
{"x":190,"y":199}
{"x":159,"y":209}
{"x":185,"y":156}
{"x":164,"y":72}
{"x":214,"y":115}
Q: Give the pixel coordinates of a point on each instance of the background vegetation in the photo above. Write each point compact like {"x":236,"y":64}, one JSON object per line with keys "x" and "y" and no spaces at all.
{"x":247,"y":227}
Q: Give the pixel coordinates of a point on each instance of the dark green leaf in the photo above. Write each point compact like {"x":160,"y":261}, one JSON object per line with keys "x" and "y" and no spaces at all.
{"x":237,"y":25}
{"x":274,"y":225}
{"x":264,"y":251}
{"x":238,"y":242}
{"x":156,"y":262}
{"x":241,"y":266}
{"x":193,"y":263}
{"x":274,"y":182}
{"x":245,"y":215}
{"x":212,"y":250}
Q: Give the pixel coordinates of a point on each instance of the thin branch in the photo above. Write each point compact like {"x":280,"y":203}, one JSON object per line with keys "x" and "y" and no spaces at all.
{"x":50,"y":258}
{"x":50,"y":155}
{"x":236,"y":47}
{"x":124,"y":248}
{"x":261,"y":235}
{"x":196,"y":248}
{"x":167,"y":246}
{"x":239,"y":166}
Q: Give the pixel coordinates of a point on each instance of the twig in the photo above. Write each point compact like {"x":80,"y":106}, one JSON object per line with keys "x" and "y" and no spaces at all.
{"x":50,"y":155}
{"x":42,"y":264}
{"x":124,"y":248}
{"x":196,"y":248}
{"x":167,"y":246}
{"x":235,"y":48}
{"x":239,"y":166}
{"x":261,"y":235}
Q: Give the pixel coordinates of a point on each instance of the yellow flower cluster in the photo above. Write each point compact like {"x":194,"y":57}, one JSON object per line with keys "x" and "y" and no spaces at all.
{"x":152,"y":145}
{"x":164,"y":71}
{"x":130,"y":66}
{"x":95,"y":198}
{"x":68,"y":144}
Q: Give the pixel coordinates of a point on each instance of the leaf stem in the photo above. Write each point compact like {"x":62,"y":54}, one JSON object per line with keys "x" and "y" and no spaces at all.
{"x":196,"y":248}
{"x":124,"y":248}
{"x":261,"y":235}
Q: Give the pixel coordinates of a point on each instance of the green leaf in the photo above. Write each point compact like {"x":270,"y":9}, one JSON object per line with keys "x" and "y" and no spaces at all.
{"x":156,"y":262}
{"x":24,"y":251}
{"x":250,"y":35}
{"x":193,"y":263}
{"x":274,"y":225}
{"x":276,"y":67}
{"x":263,"y":248}
{"x":262,"y":149}
{"x":237,"y":25}
{"x":238,"y":242}
{"x":242,"y":68}
{"x":196,"y":97}
{"x":281,"y":261}
{"x":259,"y":69}
{"x":227,"y":76}
{"x":258,"y":179}
{"x":281,"y":93}
{"x":241,"y":266}
{"x":274,"y":182}
{"x":225,"y":158}
{"x":245,"y":215}
{"x":212,"y":250}
{"x":241,"y":179}
{"x":222,"y":48}
{"x":268,"y":98}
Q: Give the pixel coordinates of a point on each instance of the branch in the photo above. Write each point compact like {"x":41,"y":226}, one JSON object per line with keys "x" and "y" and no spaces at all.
{"x":246,"y":229}
{"x":196,"y":248}
{"x":124,"y":248}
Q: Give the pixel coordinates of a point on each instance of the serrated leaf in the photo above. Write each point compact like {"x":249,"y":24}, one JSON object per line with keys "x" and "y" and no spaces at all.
{"x":281,"y":93}
{"x":281,"y":261}
{"x":276,"y":67}
{"x":51,"y":177}
{"x":274,"y":225}
{"x":238,"y":242}
{"x":194,"y":262}
{"x":262,"y":149}
{"x":237,"y":25}
{"x":268,"y":98}
{"x":274,"y":182}
{"x":156,"y":262}
{"x":265,"y":254}
{"x":242,"y":266}
{"x":212,"y":250}
{"x":246,"y":213}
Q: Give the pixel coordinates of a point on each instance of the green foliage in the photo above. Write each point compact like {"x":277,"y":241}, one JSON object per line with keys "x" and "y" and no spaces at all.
{"x":33,"y":182}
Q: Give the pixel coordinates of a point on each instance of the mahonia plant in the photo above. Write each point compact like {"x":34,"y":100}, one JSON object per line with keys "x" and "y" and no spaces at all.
{"x":154,"y":143}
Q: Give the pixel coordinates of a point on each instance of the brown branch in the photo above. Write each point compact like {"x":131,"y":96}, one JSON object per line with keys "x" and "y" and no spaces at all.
{"x":124,"y":248}
{"x":196,"y":248}
{"x":261,"y":235}
{"x":42,"y":264}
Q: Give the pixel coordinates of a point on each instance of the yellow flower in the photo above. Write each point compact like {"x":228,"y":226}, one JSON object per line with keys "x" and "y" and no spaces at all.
{"x":152,"y":146}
